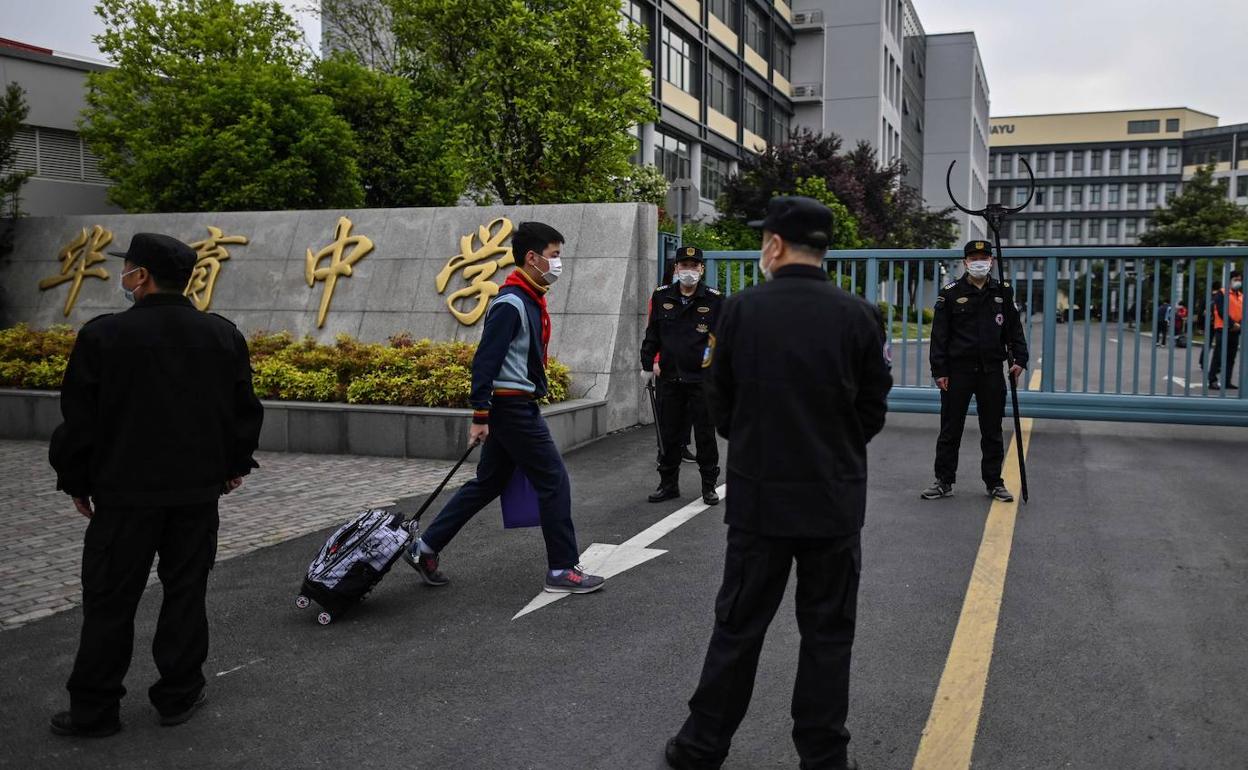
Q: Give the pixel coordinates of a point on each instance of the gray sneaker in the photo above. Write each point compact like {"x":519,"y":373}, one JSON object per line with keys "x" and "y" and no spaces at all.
{"x":573,"y":581}
{"x":999,"y":492}
{"x":936,"y":491}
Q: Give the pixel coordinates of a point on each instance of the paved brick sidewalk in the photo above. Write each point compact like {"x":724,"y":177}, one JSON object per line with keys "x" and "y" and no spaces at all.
{"x":290,"y":495}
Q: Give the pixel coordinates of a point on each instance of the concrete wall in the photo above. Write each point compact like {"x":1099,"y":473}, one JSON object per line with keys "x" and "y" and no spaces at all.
{"x":956,"y":127}
{"x":598,"y":306}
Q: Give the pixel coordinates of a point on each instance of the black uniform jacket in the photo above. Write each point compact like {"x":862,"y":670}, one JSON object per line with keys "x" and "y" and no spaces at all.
{"x":970,"y":327}
{"x":679,"y":331}
{"x":158,"y":407}
{"x":799,"y":384}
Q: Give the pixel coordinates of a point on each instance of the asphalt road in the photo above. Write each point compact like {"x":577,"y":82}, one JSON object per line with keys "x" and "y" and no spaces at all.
{"x":1121,"y":638}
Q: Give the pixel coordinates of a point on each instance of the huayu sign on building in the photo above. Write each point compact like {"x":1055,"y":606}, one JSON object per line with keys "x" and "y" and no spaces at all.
{"x":369,"y":273}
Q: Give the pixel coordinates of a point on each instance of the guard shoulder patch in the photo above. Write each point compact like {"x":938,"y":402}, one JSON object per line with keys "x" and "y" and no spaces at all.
{"x":660,"y":287}
{"x":950,"y":285}
{"x":716,"y":292}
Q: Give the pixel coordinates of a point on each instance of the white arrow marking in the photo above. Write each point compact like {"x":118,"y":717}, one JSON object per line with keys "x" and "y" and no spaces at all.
{"x":607,"y":560}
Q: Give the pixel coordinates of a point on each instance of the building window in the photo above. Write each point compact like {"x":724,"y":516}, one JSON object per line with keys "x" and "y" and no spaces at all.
{"x":634,"y":13}
{"x":755,"y":111}
{"x":1150,"y":193}
{"x":1172,"y":189}
{"x":1076,"y":229}
{"x":1037,"y":230}
{"x":779,"y":125}
{"x":725,"y":11}
{"x":784,"y":58}
{"x":1059,"y":196}
{"x":992,"y":165}
{"x":1241,"y":187}
{"x":1172,"y":157}
{"x":679,"y":64}
{"x":1020,"y":196}
{"x":1076,"y":162}
{"x":1133,"y":194}
{"x":671,"y":156}
{"x":1076,"y":195}
{"x":1059,"y":163}
{"x":1243,"y":150}
{"x":1020,"y":231}
{"x":1154,"y":155}
{"x":1133,"y":227}
{"x":1055,"y":230}
{"x":1143,"y":126}
{"x":1111,"y":229}
{"x":714,"y":176}
{"x":756,"y":30}
{"x":1094,"y":229}
{"x":1115,"y":160}
{"x":1095,"y":164}
{"x":1040,"y":196}
{"x":1113,"y":190}
{"x":721,"y":88}
{"x":1172,"y":125}
{"x":1042,"y":163}
{"x":1133,"y":160}
{"x":1094,"y":195}
{"x":1007,"y":164}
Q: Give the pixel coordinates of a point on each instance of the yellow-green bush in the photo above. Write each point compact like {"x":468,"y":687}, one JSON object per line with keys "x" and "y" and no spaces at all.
{"x":404,"y":371}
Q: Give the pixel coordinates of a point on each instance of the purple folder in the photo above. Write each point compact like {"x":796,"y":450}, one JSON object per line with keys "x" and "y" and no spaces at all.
{"x":519,"y":502}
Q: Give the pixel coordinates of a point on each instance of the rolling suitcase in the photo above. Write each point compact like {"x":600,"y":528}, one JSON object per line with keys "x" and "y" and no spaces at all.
{"x":359,"y":554}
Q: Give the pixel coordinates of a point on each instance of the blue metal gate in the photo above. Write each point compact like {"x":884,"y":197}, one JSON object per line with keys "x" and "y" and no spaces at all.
{"x":1093,"y":321}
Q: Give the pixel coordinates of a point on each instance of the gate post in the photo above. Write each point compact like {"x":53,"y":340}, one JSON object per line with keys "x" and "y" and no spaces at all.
{"x":872,"y":289}
{"x":1048,"y":367}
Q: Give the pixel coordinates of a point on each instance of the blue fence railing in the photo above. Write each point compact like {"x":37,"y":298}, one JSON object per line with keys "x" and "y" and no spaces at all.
{"x":1096,"y":320}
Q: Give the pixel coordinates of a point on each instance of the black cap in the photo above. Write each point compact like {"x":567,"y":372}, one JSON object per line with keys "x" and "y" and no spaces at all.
{"x":162,"y":255}
{"x":977,"y":247}
{"x":689,"y":252}
{"x":798,"y":220}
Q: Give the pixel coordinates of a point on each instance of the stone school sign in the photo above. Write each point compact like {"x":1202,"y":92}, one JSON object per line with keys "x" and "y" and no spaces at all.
{"x":370,"y":273}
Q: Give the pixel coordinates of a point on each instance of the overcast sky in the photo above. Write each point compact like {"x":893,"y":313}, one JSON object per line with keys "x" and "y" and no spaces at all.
{"x":1050,"y":56}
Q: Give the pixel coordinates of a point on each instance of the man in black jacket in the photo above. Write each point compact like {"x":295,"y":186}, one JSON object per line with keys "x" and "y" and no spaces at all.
{"x":682,"y":316}
{"x":160,"y":420}
{"x":799,"y":381}
{"x":974,"y":324}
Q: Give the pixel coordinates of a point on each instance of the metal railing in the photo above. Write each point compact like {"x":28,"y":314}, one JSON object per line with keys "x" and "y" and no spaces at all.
{"x":1092,"y":318}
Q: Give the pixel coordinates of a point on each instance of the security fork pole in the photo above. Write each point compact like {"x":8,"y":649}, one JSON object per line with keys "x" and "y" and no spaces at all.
{"x":654,"y":410}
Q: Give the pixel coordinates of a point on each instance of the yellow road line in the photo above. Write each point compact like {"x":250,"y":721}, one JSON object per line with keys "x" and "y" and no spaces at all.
{"x":949,"y":736}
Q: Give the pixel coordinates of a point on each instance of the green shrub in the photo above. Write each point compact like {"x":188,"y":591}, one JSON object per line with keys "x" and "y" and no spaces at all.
{"x":274,"y":378}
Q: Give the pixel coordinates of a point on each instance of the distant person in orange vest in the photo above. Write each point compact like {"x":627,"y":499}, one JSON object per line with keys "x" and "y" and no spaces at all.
{"x":1226,"y":306}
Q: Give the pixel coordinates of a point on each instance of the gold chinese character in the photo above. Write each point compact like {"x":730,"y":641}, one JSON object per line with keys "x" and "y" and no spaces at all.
{"x":77,"y":258}
{"x":478,"y":266}
{"x":338,"y":265}
{"x":211,"y":255}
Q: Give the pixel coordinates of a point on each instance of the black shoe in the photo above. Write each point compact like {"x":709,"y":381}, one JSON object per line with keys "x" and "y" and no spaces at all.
{"x":426,"y":565}
{"x":1214,"y":386}
{"x":709,"y":495}
{"x":664,"y":493}
{"x":679,"y":758}
{"x":1232,"y":386}
{"x":999,"y":492}
{"x":170,"y":720}
{"x":687,"y":456}
{"x":63,"y":724}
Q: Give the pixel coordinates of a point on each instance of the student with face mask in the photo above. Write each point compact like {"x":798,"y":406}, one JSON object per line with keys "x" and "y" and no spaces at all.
{"x":974,"y":318}
{"x":508,"y":378}
{"x":683,"y":315}
{"x":1227,"y":310}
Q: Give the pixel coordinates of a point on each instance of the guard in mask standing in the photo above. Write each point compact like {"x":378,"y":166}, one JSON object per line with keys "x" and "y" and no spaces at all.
{"x":975,"y":317}
{"x":682,"y":317}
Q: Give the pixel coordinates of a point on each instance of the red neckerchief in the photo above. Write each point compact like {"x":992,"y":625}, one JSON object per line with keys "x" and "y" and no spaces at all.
{"x":519,"y":278}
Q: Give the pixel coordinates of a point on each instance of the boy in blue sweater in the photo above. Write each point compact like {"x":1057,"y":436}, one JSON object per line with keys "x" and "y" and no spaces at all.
{"x":508,"y":377}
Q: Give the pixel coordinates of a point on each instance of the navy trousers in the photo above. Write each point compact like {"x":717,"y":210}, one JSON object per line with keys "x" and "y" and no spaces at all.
{"x":520,"y":439}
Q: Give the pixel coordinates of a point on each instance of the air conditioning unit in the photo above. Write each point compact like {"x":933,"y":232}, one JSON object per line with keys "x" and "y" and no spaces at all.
{"x":807,"y":19}
{"x":806,"y":92}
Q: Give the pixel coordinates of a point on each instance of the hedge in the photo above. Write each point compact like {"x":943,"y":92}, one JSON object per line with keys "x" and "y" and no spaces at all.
{"x":404,"y":371}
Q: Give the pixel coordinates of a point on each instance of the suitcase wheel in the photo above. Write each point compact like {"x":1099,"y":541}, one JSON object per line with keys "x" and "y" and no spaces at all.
{"x":302,"y":602}
{"x":324,"y":618}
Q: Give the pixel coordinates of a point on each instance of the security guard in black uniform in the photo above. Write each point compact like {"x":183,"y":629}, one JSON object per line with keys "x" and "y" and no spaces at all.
{"x":682,"y":316}
{"x":160,"y":420}
{"x":975,"y":319}
{"x":798,"y":385}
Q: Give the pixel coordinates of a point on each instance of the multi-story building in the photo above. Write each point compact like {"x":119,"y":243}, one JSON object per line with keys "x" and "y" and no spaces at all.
{"x":1100,"y":175}
{"x":67,"y":178}
{"x":1225,"y":147}
{"x":867,"y":71}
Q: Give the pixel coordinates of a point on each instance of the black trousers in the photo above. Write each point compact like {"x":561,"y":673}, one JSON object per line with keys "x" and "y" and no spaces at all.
{"x":1162,"y":329}
{"x":1215,"y":353}
{"x":117,"y":558}
{"x":756,"y":571}
{"x":679,"y":404}
{"x":987,"y":385}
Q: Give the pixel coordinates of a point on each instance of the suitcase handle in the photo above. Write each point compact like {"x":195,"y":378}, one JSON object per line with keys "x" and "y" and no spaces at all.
{"x":441,"y":486}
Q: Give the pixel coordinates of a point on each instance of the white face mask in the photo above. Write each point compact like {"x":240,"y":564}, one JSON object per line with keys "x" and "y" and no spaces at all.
{"x":127,"y":293}
{"x":1237,"y":285}
{"x":554,"y":268}
{"x":762,"y":259}
{"x":979,"y":268}
{"x":688,"y":277}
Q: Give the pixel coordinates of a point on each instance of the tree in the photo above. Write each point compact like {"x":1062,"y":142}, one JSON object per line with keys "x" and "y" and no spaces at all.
{"x":542,"y":92}
{"x":844,"y":233}
{"x":406,"y":155}
{"x":211,"y":107}
{"x":1201,"y":215}
{"x":13,"y":111}
{"x":362,"y":29}
{"x":888,"y":213}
